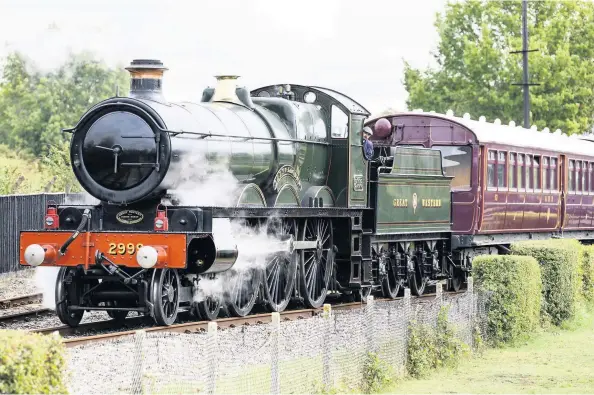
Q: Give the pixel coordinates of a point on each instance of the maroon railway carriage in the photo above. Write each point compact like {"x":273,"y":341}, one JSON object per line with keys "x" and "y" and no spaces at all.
{"x":510,"y":183}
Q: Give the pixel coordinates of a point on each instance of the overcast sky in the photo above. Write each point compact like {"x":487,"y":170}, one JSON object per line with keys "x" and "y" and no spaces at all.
{"x":356,"y":47}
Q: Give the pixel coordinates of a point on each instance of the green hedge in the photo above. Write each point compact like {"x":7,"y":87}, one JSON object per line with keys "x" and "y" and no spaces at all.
{"x":31,"y":363}
{"x":515,"y":304}
{"x":561,"y":283}
{"x":587,"y":273}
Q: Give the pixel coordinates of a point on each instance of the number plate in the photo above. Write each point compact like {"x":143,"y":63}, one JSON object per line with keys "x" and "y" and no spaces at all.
{"x":123,"y":248}
{"x":358,"y":183}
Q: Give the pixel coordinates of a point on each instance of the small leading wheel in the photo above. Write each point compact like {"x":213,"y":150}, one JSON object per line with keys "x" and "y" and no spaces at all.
{"x":210,"y":306}
{"x":316,"y":265}
{"x":279,"y":275}
{"x":165,"y":296}
{"x":416,"y":279}
{"x":244,"y":291}
{"x":65,"y":294}
{"x":391,"y":283}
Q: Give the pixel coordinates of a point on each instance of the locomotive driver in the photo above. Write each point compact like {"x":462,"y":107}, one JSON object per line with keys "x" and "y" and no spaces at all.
{"x":368,"y":149}
{"x":367,"y":144}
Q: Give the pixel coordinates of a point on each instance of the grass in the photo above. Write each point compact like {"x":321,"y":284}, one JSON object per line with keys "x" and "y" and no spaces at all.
{"x":12,"y":166}
{"x":23,"y":173}
{"x":556,"y":361}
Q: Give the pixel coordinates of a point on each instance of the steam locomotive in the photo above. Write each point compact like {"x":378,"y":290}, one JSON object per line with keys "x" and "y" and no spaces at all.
{"x":347,"y":225}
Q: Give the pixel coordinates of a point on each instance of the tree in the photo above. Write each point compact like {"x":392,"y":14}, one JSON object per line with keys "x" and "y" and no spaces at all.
{"x":475,"y":69}
{"x":35,"y":106}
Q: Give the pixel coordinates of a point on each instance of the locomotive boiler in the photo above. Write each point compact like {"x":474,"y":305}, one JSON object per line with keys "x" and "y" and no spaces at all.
{"x":125,"y":150}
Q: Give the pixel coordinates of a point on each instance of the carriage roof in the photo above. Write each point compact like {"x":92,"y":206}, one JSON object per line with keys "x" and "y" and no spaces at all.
{"x":517,"y":136}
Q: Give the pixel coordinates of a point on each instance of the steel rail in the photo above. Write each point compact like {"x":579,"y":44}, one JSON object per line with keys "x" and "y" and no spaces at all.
{"x":197,"y":326}
{"x":20,"y":300}
{"x":23,"y":314}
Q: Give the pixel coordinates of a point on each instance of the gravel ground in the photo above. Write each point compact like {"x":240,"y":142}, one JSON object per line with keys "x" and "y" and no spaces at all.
{"x":17,"y":284}
{"x":180,"y":363}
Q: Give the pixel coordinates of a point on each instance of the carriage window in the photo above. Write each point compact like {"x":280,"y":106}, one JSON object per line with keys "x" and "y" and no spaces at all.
{"x":536,"y":167}
{"x":553,"y":174}
{"x":501,"y":159}
{"x":591,"y":176}
{"x":571,"y":176}
{"x":340,"y":121}
{"x":545,"y":173}
{"x":512,"y":172}
{"x":579,"y":180}
{"x":586,"y":176}
{"x":491,"y":169}
{"x":521,"y":173}
{"x":528,"y":171}
{"x":457,"y":163}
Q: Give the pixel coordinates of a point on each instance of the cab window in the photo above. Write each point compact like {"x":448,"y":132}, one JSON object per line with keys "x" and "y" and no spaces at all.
{"x":340,"y":123}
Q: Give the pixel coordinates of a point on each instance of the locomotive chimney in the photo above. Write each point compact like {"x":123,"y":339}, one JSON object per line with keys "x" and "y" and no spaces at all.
{"x":146,"y":79}
{"x":226,"y":89}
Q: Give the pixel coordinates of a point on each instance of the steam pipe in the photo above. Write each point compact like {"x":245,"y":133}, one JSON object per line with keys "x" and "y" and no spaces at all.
{"x":83,"y":222}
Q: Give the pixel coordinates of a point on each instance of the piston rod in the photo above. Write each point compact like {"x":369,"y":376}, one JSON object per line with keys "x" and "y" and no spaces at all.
{"x":289,"y":245}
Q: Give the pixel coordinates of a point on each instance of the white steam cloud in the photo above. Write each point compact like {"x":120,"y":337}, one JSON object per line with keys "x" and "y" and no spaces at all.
{"x":206,"y":183}
{"x":212,"y":183}
{"x":82,"y":198}
{"x":45,"y":281}
{"x":255,"y":247}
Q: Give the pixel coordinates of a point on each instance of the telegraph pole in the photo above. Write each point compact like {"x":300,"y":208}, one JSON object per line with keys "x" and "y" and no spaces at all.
{"x":524,"y":53}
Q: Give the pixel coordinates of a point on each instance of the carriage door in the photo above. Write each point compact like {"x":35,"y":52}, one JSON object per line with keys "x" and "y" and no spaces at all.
{"x":562,"y":177}
{"x":357,"y":164}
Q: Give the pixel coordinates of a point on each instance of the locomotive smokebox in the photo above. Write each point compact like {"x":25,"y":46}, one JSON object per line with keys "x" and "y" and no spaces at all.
{"x":146,"y":79}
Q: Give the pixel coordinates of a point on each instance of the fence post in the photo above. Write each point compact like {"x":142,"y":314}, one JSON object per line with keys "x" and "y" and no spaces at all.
{"x":370,"y":310}
{"x":439,"y":293}
{"x":275,"y":350}
{"x":407,"y":307}
{"x":470,"y":290}
{"x":212,"y":357}
{"x":138,"y":370}
{"x":407,"y":320}
{"x":326,"y":355}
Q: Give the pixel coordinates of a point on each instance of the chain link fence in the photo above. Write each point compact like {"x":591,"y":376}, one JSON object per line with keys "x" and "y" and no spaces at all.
{"x":303,"y":356}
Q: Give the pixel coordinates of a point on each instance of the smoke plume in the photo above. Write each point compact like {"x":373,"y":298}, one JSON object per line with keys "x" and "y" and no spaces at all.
{"x":45,"y":280}
{"x":212,"y":183}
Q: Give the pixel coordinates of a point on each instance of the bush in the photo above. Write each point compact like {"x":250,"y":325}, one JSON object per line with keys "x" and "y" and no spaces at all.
{"x":31,"y":363}
{"x":587,"y":273}
{"x":376,"y":374}
{"x":561,"y":283}
{"x":515,"y":303}
{"x":430,"y":348}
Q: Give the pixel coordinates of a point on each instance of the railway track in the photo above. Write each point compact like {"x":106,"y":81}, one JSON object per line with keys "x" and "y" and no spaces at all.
{"x":20,"y":302}
{"x":192,"y":326}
